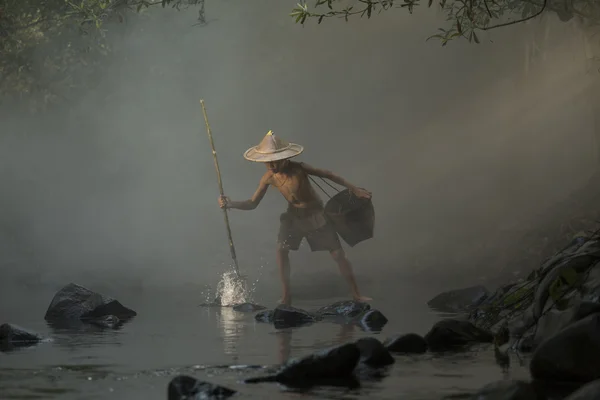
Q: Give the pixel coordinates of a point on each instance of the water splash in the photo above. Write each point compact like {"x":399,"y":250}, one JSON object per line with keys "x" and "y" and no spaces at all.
{"x":232,"y":290}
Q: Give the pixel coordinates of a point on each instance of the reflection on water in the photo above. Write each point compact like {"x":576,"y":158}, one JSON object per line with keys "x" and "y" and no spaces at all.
{"x":234,"y":327}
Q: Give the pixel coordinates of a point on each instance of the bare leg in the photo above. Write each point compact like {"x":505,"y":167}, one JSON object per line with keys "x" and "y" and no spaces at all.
{"x":283,"y":262}
{"x":343,"y":263}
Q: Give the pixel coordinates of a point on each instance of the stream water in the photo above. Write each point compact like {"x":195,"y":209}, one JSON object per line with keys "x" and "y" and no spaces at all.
{"x":173,"y":335}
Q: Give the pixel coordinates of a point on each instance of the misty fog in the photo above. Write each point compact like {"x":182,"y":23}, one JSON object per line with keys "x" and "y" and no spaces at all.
{"x":458,"y":144}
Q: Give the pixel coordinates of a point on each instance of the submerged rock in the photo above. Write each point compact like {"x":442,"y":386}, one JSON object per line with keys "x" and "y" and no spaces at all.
{"x":573,"y":354}
{"x":333,"y":366}
{"x":290,"y":317}
{"x":373,"y":353}
{"x":76,"y":303}
{"x":590,"y":391}
{"x":448,"y":334}
{"x":372,"y":321}
{"x":265,"y":316}
{"x":248,"y":307}
{"x":184,"y":387}
{"x":407,"y":343}
{"x":507,"y":390}
{"x":345,"y":309}
{"x":108,"y":321}
{"x":13,"y":336}
{"x":459,"y":300}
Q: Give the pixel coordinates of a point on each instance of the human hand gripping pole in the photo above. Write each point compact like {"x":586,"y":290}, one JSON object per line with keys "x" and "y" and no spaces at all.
{"x":214,"y":152}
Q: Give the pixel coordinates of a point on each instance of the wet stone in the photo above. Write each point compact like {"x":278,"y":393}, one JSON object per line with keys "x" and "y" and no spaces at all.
{"x":265,"y":316}
{"x":373,"y":353}
{"x":290,"y":317}
{"x":248,"y":307}
{"x":77,"y":303}
{"x":449,"y":334}
{"x":407,"y":343}
{"x":184,"y":387}
{"x":372,"y":321}
{"x":108,"y":321}
{"x":345,"y":309}
{"x":13,"y":336}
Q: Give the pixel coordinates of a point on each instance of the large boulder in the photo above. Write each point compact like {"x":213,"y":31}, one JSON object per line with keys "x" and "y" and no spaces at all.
{"x":407,"y":343}
{"x":507,"y":390}
{"x":75,"y":303}
{"x":332,"y":366}
{"x":13,"y":336}
{"x":184,"y":387}
{"x":290,"y":317}
{"x":573,"y":354}
{"x":459,"y":300}
{"x":450,"y":334}
{"x":590,"y":391}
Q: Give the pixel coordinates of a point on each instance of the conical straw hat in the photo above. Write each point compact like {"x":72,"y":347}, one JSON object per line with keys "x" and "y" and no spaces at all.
{"x":272,"y":148}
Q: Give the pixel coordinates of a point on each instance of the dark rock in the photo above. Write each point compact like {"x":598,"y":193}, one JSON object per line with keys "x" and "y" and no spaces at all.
{"x":507,"y":390}
{"x":290,"y":317}
{"x":372,"y":321}
{"x":333,"y":366}
{"x":449,"y":334}
{"x":459,"y":300}
{"x":74,"y":302}
{"x":184,"y":387}
{"x":585,"y":309}
{"x":265,"y":316}
{"x":590,"y":391}
{"x":373,"y":353}
{"x":248,"y":307}
{"x":346,"y":309}
{"x":408,"y":343}
{"x":108,"y":321}
{"x":13,"y":336}
{"x":573,"y":354}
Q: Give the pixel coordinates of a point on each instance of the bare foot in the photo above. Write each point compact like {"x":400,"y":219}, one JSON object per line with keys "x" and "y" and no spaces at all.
{"x":362,"y":298}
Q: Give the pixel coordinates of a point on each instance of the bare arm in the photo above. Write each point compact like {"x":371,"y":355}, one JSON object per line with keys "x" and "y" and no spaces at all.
{"x":256,"y":198}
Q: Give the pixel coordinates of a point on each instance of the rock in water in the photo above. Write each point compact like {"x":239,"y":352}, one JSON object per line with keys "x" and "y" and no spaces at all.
{"x":330,"y":366}
{"x":507,"y":390}
{"x":184,"y":387}
{"x":12,"y":336}
{"x":373,"y":353}
{"x":591,"y":391}
{"x":289,"y":317}
{"x":264,"y":316}
{"x":372,"y":321}
{"x":459,"y":300}
{"x":408,"y":343}
{"x":346,"y":309}
{"x":572,"y":354}
{"x":450,"y":333}
{"x":248,"y":307}
{"x":108,"y":321}
{"x":76,"y":303}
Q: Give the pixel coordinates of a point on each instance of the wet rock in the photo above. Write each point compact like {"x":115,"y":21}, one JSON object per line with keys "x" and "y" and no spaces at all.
{"x":345,"y":309}
{"x":372,"y":321}
{"x":248,"y":307}
{"x":265,"y":316}
{"x":590,"y":391}
{"x":13,"y":336}
{"x":76,"y":303}
{"x":449,"y":334}
{"x":373,"y":353}
{"x":407,"y":343}
{"x":507,"y":390}
{"x":290,"y":317}
{"x":184,"y":387}
{"x":573,"y":354}
{"x":459,"y":300}
{"x":108,"y":321}
{"x":333,"y":366}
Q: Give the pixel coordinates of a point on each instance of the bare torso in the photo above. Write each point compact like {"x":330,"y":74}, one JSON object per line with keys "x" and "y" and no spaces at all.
{"x":294,"y":185}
